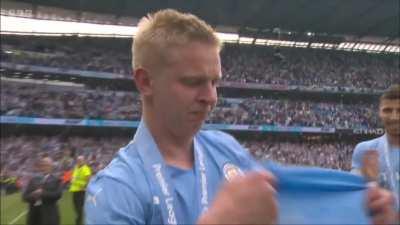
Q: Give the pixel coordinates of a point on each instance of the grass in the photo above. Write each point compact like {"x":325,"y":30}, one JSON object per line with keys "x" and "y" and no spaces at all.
{"x":12,"y":207}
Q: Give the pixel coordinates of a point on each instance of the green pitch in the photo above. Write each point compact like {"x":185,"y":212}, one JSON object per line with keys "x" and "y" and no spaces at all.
{"x":13,"y":210}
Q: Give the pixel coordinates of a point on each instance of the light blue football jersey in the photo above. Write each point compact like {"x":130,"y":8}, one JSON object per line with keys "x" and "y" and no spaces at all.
{"x":138,"y":188}
{"x":389,"y":167}
{"x":127,"y":191}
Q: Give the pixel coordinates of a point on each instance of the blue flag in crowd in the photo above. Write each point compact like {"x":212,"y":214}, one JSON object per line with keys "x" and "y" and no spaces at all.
{"x":308,"y":195}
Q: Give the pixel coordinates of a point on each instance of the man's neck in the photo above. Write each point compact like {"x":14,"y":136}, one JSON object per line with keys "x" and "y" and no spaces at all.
{"x":176,"y":151}
{"x":394,"y":140}
{"x":183,"y":161}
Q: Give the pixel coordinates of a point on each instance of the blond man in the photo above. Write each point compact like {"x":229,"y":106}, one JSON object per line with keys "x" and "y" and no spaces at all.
{"x":171,"y":172}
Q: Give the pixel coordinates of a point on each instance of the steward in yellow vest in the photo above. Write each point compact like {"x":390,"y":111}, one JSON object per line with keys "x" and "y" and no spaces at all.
{"x":80,"y":178}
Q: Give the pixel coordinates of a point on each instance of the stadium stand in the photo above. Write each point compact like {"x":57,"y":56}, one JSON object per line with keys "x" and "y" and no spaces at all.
{"x":62,"y":96}
{"x":17,"y":151}
{"x":286,"y":113}
{"x":241,"y":64}
{"x":313,"y":68}
{"x":55,"y":101}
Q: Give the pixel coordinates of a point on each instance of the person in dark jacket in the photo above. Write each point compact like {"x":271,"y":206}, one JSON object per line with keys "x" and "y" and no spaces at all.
{"x":42,"y":193}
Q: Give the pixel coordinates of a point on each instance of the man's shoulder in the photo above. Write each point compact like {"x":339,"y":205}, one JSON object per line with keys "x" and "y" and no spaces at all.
{"x":54,"y":177}
{"x":361,"y":148}
{"x":86,"y":168}
{"x":367,"y":145}
{"x":219,"y":139}
{"x":120,"y":191}
{"x":223,"y":145}
{"x":125,"y":169}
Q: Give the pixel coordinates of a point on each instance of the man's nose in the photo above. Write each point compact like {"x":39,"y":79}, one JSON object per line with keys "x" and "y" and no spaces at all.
{"x":209,"y":94}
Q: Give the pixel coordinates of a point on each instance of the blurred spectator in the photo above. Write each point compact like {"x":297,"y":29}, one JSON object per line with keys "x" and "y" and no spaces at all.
{"x":42,"y":193}
{"x":80,"y":178}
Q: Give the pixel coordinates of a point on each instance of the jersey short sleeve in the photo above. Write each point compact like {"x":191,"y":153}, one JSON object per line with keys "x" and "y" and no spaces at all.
{"x":109,"y":201}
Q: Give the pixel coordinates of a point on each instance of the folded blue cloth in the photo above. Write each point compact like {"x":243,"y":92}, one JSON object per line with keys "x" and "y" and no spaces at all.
{"x":309,"y":195}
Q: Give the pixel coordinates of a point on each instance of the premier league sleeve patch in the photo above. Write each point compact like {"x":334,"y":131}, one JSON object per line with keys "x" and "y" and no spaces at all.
{"x":231,"y":171}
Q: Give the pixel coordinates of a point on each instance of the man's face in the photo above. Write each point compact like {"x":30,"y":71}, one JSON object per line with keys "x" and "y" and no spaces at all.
{"x":79,"y":161}
{"x":389,"y":113}
{"x":185,"y":89}
{"x":45,"y":166}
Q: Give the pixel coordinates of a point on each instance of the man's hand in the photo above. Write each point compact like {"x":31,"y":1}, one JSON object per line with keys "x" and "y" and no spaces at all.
{"x":381,"y":205}
{"x":248,"y":199}
{"x":37,"y":193}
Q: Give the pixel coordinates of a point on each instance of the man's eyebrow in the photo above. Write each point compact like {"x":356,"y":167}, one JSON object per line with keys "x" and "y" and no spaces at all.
{"x":201,"y":77}
{"x":388,"y":108}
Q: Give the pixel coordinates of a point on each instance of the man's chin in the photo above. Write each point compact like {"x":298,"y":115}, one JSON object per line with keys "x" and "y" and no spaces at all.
{"x":190,"y":127}
{"x":199,"y":124}
{"x":196,"y":125}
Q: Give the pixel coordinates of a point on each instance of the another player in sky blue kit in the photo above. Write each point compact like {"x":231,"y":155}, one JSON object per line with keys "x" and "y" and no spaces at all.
{"x":172,"y":173}
{"x":385,"y":149}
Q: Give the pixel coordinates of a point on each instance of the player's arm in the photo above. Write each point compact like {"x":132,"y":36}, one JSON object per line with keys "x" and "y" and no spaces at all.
{"x":365,"y":162}
{"x":356,"y":160}
{"x":27,"y":195}
{"x":54,"y":192}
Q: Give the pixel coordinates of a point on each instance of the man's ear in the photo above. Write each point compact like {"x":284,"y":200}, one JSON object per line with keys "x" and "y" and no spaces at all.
{"x":143,"y":81}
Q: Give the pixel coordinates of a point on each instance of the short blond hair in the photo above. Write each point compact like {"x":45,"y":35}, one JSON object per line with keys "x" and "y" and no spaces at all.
{"x":165,"y":29}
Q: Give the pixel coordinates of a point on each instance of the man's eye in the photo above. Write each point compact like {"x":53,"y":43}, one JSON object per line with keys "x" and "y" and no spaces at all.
{"x":191,"y":82}
{"x":387,"y":110}
{"x":216,"y":82}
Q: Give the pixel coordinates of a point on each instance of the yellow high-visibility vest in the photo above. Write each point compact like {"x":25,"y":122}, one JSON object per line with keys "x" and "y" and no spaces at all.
{"x":80,"y":178}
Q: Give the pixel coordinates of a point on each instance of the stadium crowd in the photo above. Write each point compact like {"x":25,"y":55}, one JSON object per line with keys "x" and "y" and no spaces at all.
{"x":65,"y":102}
{"x":52,"y":101}
{"x":313,"y":68}
{"x":19,"y":153}
{"x":295,"y":113}
{"x":83,"y":54}
{"x":335,"y":155}
{"x":242,"y":64}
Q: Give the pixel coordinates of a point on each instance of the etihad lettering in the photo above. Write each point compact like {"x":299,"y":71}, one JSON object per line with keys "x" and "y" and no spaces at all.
{"x":379,"y":131}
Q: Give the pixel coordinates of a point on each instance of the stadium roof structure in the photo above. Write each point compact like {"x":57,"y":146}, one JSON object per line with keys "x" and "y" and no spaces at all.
{"x":359,"y":18}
